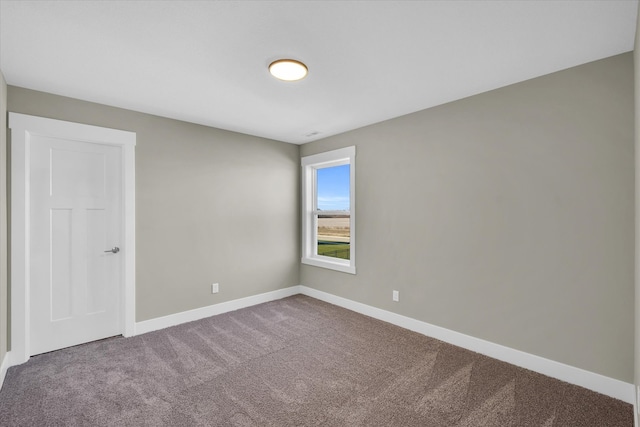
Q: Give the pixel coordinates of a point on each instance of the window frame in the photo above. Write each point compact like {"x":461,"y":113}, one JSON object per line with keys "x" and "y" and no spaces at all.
{"x":310,"y":164}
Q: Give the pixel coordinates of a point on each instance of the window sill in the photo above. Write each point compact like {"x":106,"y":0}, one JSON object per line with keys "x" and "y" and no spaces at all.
{"x":331,"y":265}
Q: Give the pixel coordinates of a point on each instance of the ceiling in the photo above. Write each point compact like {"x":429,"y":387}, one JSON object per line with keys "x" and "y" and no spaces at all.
{"x":206,"y":62}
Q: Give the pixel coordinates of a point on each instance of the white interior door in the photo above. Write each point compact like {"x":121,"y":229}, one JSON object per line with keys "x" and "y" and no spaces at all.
{"x":76,"y":219}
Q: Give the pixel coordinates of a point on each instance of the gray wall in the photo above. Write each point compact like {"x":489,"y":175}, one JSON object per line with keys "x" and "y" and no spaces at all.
{"x":4,"y":301}
{"x":507,"y":216}
{"x":636,"y":75}
{"x":211,"y":206}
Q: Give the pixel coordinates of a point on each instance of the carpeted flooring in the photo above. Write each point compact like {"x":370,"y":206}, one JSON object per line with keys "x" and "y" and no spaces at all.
{"x":292,"y":362}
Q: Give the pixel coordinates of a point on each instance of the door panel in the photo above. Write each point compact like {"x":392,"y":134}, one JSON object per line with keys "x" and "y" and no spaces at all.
{"x":97,"y":265}
{"x":77,"y":174}
{"x":75,"y":217}
{"x":60,"y":264}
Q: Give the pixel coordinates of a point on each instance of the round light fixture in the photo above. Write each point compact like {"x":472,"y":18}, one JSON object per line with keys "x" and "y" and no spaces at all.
{"x":288,"y":70}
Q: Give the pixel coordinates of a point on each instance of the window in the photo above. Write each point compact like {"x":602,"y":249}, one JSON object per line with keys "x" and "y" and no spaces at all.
{"x":328,"y":217}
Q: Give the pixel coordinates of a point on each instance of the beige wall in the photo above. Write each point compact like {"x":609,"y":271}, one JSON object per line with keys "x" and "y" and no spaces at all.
{"x":211,"y":206}
{"x":4,"y":301}
{"x":507,"y":216}
{"x":636,"y":75}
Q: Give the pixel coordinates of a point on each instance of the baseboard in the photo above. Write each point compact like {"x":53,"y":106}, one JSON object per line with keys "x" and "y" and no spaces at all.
{"x":636,"y":405}
{"x":590,"y":380}
{"x":212,"y":310}
{"x":4,"y":366}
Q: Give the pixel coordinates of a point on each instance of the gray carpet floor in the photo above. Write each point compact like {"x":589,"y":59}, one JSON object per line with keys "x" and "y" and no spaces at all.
{"x":292,"y":362}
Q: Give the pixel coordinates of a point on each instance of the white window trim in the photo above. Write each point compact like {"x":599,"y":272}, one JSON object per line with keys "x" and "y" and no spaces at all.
{"x":309,"y":228}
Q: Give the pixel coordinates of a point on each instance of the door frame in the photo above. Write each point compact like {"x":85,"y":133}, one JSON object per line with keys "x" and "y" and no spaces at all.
{"x":22,"y":126}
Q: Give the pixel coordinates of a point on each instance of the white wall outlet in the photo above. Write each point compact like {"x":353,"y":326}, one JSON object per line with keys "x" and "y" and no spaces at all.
{"x":215,"y":288}
{"x":396,"y":295}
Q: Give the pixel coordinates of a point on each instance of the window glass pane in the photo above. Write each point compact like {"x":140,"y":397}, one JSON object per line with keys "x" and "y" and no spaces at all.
{"x":333,"y":188}
{"x":334,"y":236}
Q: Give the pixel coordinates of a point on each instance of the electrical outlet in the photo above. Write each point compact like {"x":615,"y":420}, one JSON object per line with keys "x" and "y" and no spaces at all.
{"x":396,"y":296}
{"x":215,"y":288}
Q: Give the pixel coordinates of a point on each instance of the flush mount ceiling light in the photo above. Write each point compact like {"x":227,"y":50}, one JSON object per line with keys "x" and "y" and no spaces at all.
{"x":288,"y":70}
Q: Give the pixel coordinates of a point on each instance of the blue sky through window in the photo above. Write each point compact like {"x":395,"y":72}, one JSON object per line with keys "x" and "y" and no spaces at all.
{"x":333,"y":188}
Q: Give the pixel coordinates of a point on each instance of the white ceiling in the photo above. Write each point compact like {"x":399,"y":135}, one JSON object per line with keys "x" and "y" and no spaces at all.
{"x":206,"y":62}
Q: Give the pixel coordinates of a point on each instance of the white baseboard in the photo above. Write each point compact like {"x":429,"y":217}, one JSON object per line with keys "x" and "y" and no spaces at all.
{"x":636,"y":405}
{"x":596,"y":382}
{"x":4,"y":366}
{"x":212,"y":310}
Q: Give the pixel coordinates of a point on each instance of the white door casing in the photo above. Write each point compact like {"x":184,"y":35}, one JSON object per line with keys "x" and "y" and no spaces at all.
{"x":27,"y":134}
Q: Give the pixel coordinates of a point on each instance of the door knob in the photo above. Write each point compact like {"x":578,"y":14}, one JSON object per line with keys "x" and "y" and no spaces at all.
{"x":114,"y":250}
